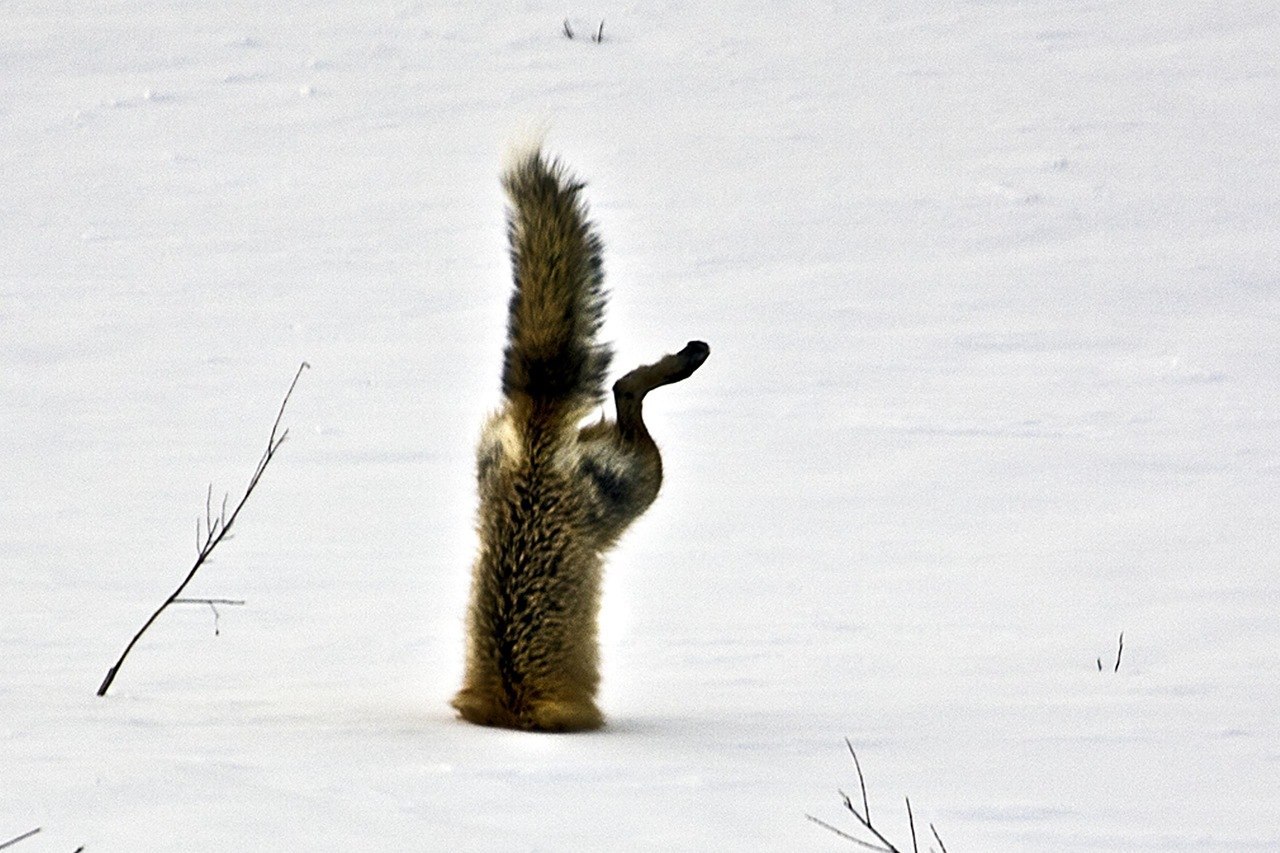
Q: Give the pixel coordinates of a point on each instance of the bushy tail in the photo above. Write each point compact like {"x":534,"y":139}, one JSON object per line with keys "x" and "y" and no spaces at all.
{"x":558,"y":302}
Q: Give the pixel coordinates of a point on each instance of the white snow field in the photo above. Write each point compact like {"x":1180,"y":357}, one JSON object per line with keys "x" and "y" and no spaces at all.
{"x":993,"y":296}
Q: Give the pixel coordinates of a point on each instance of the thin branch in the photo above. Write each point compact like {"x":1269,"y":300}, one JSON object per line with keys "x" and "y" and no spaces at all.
{"x":846,"y":836}
{"x":228,"y":601}
{"x":213,"y":605}
{"x":208,"y":513}
{"x":215,"y":531}
{"x":866,"y":809}
{"x":280,"y":414}
{"x":864,"y":817}
{"x":23,"y":837}
{"x":866,"y":824}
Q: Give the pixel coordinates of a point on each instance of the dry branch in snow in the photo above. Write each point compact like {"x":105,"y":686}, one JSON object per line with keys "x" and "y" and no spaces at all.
{"x":23,"y":837}
{"x":1119,"y":653}
{"x":214,"y":531}
{"x":597,"y":36}
{"x":881,"y":843}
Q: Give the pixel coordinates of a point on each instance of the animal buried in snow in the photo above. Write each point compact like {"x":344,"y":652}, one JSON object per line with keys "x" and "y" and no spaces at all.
{"x":554,"y":494}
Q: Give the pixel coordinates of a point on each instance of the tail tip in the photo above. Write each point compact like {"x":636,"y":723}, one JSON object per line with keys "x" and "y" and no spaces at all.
{"x":524,"y":145}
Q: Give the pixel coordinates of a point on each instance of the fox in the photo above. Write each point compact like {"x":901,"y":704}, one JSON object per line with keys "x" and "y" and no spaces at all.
{"x":554,"y":495}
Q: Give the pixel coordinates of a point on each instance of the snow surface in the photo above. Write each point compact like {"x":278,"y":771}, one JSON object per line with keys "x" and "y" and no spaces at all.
{"x":992,"y":291}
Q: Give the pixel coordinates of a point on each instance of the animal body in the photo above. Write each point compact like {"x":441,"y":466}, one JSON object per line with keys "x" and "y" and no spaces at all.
{"x":554,"y":495}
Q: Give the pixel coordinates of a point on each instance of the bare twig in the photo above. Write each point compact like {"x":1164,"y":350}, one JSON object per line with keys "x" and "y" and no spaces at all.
{"x":23,"y":837}
{"x":864,"y":818}
{"x":234,"y":602}
{"x":215,"y":530}
{"x":1119,"y":654}
{"x":846,"y":836}
{"x":866,"y":824}
{"x":213,"y":605}
{"x":597,"y":36}
{"x":866,"y":809}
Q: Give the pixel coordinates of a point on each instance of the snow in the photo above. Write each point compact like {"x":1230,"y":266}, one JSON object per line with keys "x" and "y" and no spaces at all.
{"x":992,"y":295}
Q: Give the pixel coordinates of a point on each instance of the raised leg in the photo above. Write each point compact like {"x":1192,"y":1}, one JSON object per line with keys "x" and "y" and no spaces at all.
{"x":629,"y":391}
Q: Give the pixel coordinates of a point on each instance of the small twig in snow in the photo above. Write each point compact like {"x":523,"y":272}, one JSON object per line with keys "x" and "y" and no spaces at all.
{"x":597,"y":36}
{"x":23,"y":837}
{"x":215,"y":531}
{"x":232,"y":602}
{"x":864,"y":818}
{"x":938,"y":837}
{"x":846,"y":836}
{"x":866,"y":808}
{"x":1119,"y":654}
{"x":213,"y":603}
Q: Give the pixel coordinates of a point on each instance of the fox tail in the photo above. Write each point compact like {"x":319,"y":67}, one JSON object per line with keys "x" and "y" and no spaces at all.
{"x":557,"y":305}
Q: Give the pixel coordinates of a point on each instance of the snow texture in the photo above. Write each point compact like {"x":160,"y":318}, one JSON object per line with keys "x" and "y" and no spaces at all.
{"x":993,"y":295}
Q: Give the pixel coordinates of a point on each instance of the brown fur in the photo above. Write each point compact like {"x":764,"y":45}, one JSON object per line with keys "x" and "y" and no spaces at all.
{"x":554,"y":496}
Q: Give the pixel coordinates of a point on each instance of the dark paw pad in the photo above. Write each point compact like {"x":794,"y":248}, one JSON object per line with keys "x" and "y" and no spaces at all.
{"x":694,"y":353}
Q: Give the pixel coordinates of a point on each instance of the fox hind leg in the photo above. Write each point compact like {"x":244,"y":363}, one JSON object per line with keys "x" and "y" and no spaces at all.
{"x":630,"y":390}
{"x":666,"y":371}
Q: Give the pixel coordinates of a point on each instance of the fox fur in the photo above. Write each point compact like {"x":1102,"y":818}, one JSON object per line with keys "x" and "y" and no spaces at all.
{"x":554,"y":495}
